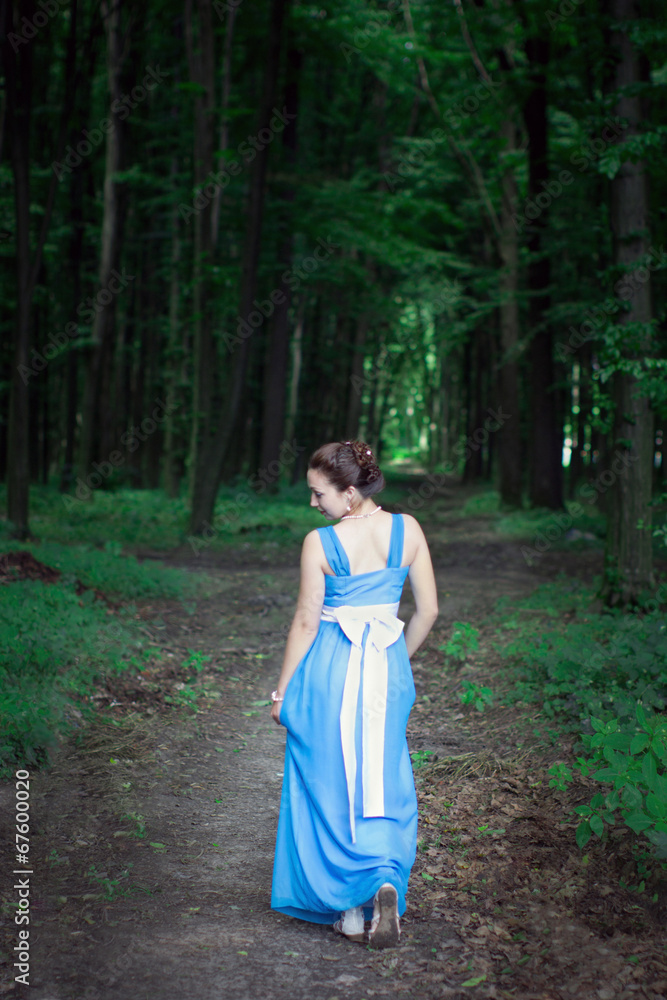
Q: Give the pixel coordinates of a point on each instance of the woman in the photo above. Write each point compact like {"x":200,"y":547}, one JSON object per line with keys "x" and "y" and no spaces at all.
{"x":347,"y":831}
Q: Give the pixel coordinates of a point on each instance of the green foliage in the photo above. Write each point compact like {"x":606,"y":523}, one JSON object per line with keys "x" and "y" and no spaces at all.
{"x":536,"y":522}
{"x":463,"y":641}
{"x":482,"y":503}
{"x":56,"y":643}
{"x":114,"y":888}
{"x":420,"y":757}
{"x":473,"y":694}
{"x":585,"y":663}
{"x":110,"y":572}
{"x":635,"y":764}
{"x":606,"y":674}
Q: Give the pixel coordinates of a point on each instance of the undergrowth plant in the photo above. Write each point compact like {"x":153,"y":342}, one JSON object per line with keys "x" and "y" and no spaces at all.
{"x":57,"y":641}
{"x":603,"y":675}
{"x":475,"y":694}
{"x":636,"y":767}
{"x":464,"y":639}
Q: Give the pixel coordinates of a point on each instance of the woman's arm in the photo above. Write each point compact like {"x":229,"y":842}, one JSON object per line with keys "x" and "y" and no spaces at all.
{"x":422,"y":581}
{"x":307,"y":616}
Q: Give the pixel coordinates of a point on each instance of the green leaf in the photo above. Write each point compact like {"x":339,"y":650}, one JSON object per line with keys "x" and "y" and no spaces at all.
{"x":632,"y":797}
{"x":583,"y":834}
{"x":650,"y":771}
{"x":597,"y":825}
{"x":475,"y":981}
{"x":641,"y":715}
{"x":639,"y":743}
{"x":655,"y":806}
{"x":638,"y":821}
{"x":659,"y":840}
{"x":583,"y":810}
{"x":606,"y":774}
{"x":619,"y":741}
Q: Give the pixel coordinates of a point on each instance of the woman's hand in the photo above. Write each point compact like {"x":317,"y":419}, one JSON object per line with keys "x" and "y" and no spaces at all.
{"x":275,"y":711}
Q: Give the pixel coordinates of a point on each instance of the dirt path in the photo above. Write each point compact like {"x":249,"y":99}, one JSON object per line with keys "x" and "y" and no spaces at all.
{"x":153,"y":846}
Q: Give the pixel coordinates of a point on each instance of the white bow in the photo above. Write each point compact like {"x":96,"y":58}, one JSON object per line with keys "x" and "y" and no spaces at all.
{"x":384,"y":628}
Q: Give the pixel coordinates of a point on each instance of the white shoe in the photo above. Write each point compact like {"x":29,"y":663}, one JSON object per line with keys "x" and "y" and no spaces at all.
{"x":385,"y":926}
{"x":351,"y":924}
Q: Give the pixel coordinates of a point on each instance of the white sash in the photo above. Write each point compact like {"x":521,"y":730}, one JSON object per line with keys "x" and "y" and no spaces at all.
{"x":384,"y":629}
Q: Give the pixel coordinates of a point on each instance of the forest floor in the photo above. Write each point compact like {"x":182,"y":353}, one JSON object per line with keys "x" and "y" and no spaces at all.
{"x":152,"y":843}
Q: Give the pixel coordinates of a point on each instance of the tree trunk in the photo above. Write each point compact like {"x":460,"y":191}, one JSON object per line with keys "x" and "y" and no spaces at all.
{"x":472,"y":464}
{"x":95,"y":418}
{"x":208,"y":471}
{"x":628,"y":556}
{"x":509,"y":435}
{"x":275,"y":383}
{"x":546,"y":472}
{"x":18,"y":80}
{"x":201,"y":62}
{"x":174,"y":359}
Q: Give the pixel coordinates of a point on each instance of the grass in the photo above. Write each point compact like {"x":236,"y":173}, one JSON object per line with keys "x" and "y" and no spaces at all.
{"x":149,"y":519}
{"x":58,"y":641}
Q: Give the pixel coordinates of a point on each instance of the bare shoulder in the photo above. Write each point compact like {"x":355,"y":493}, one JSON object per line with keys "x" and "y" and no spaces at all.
{"x":415,"y":540}
{"x":413,"y":529}
{"x":312,"y":537}
{"x":312,"y":550}
{"x":312,"y":542}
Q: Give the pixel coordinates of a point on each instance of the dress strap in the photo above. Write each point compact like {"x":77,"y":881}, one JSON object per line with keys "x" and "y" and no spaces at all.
{"x":334,"y":551}
{"x":396,"y":541}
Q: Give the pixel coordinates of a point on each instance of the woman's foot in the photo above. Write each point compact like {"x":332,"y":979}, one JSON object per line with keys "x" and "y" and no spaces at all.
{"x":385,"y":928}
{"x":351,"y":924}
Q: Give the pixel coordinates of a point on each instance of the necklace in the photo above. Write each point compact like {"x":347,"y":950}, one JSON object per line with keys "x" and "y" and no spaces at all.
{"x":353,"y":517}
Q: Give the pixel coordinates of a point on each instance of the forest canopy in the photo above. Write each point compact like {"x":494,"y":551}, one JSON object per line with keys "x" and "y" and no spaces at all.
{"x":230,"y":231}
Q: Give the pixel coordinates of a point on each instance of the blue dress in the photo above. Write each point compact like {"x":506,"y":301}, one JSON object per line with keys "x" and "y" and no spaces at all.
{"x":348,"y":811}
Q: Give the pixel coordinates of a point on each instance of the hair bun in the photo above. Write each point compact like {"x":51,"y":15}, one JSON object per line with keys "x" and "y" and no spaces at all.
{"x":364,"y":456}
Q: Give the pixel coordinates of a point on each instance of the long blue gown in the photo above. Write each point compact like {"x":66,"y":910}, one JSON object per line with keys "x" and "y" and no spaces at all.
{"x":348,"y":811}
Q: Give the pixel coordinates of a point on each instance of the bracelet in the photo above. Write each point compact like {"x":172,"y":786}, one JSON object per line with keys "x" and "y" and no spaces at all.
{"x":274,"y":697}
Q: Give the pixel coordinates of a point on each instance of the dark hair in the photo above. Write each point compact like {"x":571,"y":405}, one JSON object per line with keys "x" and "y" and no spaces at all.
{"x":348,"y":463}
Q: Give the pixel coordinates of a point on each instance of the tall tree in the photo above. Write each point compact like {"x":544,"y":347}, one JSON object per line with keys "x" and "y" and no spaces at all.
{"x":214,"y":452}
{"x":201,"y":61}
{"x":96,"y":417}
{"x":275,"y":382}
{"x":545,"y":482}
{"x":18,"y":62}
{"x":628,"y":556}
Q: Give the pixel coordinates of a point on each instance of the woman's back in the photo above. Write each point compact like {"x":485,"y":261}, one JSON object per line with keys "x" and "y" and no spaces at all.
{"x":366,"y":542}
